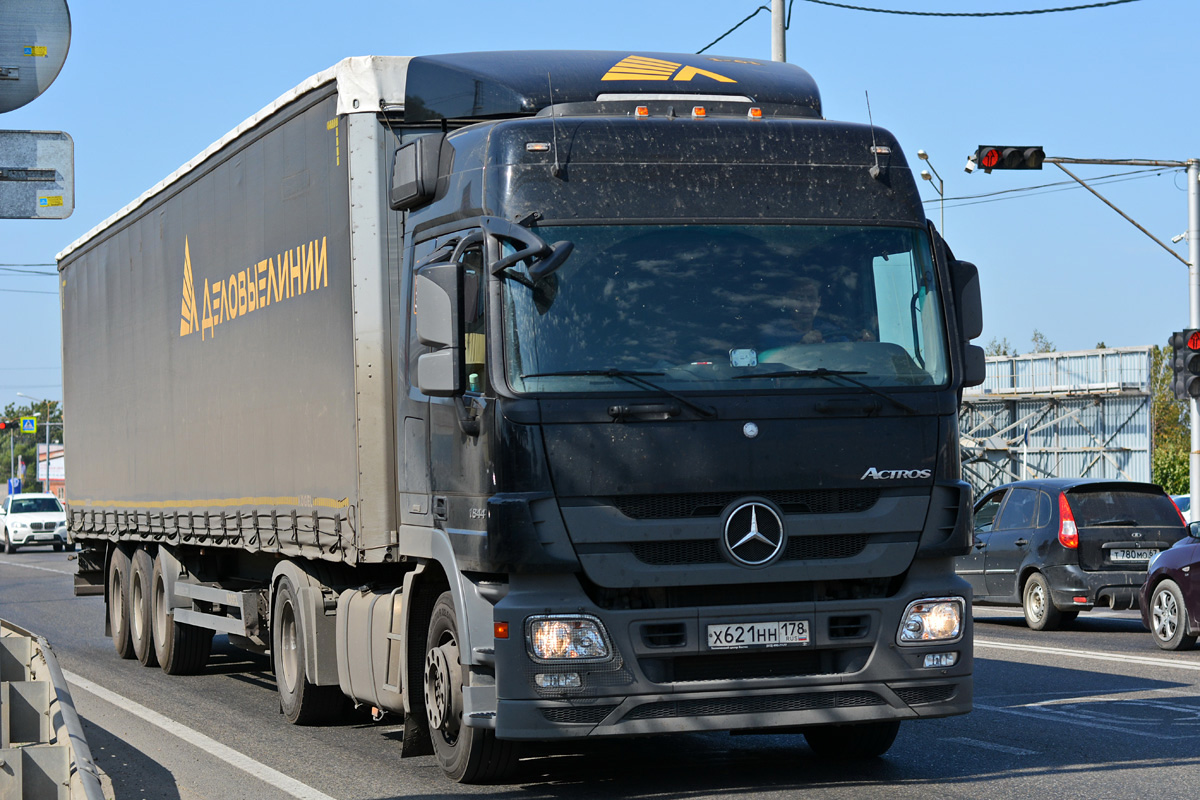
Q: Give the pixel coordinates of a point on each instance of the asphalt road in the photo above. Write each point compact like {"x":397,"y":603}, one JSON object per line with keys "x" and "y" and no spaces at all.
{"x":1096,"y":711}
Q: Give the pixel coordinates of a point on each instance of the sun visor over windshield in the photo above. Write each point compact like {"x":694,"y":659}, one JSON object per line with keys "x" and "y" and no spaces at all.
{"x":503,"y":84}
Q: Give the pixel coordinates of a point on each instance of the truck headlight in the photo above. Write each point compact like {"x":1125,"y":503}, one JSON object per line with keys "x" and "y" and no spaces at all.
{"x":566,"y":637}
{"x":938,"y":619}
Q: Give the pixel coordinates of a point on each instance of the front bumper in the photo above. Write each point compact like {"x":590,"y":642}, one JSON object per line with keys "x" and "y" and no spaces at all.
{"x":664,"y":678}
{"x":30,"y":538}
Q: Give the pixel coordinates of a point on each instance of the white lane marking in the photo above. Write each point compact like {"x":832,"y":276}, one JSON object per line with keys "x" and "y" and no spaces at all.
{"x":227,"y":754}
{"x":999,"y":748}
{"x":1147,"y":661}
{"x":31,"y":566}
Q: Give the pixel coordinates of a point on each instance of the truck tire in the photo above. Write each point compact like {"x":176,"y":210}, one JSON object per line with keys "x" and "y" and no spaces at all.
{"x":466,"y":755}
{"x":181,"y":649}
{"x":141,"y":613}
{"x":119,"y":567}
{"x":865,"y":740}
{"x":300,"y":701}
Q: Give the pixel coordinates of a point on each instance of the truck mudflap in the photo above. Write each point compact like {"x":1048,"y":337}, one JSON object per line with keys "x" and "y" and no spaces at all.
{"x":43,"y":750}
{"x":761,"y":710}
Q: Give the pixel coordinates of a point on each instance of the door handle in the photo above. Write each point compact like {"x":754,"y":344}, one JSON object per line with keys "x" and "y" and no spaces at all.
{"x":980,"y":545}
{"x":1021,"y":542}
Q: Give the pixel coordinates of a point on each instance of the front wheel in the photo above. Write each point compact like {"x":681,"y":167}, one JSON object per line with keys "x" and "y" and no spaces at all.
{"x":865,"y":740}
{"x":1169,"y":618}
{"x":9,"y":547}
{"x":1040,"y":611}
{"x":466,"y":755}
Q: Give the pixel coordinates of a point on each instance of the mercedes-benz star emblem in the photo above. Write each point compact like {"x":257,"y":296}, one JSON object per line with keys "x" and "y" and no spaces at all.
{"x":754,"y":534}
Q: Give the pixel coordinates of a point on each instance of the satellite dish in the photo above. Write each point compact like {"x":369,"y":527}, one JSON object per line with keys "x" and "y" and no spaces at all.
{"x":34,"y":38}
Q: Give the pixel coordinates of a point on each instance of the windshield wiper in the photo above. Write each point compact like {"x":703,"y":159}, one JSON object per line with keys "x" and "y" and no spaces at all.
{"x":830,"y":375}
{"x":637,"y":378}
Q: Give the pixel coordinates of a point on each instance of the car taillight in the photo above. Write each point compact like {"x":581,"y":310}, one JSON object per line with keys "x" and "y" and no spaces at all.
{"x":1068,"y":534}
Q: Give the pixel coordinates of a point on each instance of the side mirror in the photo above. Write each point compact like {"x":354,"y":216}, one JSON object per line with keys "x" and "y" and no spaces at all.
{"x":974,"y":365}
{"x":438,"y":292}
{"x":415,"y":172}
{"x":967,"y":298}
{"x":1194,"y":529}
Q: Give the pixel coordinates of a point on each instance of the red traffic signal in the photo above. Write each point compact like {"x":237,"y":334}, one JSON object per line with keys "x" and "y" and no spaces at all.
{"x":992,"y":157}
{"x":1185,"y":363}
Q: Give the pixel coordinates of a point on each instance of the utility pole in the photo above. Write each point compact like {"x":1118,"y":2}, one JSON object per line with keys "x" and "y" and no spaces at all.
{"x":778,"y":41}
{"x":1193,"y":237}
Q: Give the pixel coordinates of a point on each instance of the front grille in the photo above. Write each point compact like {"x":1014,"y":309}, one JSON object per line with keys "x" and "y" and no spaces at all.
{"x":759,"y":664}
{"x":582,"y":715}
{"x":923,"y":695}
{"x":758,"y":704}
{"x":711,"y":504}
{"x":42,"y":526}
{"x":708,"y":551}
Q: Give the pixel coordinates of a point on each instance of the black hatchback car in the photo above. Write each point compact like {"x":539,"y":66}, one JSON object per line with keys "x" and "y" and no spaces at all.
{"x":1058,"y":547}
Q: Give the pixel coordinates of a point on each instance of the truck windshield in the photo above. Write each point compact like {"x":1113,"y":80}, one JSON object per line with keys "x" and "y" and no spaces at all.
{"x":727,"y":308}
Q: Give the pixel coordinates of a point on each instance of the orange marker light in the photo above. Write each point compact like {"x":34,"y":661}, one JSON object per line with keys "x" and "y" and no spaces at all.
{"x":500,"y":630}
{"x":699,"y":111}
{"x":642,"y":111}
{"x":754,"y":113}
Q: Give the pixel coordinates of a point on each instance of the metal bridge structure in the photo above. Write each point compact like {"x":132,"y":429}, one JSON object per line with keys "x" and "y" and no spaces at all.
{"x":1082,"y":414}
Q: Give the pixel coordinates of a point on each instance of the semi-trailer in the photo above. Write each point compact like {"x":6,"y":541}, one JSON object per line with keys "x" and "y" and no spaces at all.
{"x":532,"y":396}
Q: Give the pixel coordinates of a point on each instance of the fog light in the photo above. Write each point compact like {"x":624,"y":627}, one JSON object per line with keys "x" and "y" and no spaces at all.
{"x":566,"y":638}
{"x":565,"y":680}
{"x":937,"y":619}
{"x":934,"y":660}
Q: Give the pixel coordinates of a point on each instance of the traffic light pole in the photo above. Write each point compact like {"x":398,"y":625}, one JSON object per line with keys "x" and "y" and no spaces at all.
{"x":1193,"y":237}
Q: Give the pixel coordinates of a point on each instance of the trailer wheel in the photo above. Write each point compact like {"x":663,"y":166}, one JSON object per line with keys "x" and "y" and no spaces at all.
{"x":466,"y":755}
{"x":141,"y":619}
{"x":119,"y":568}
{"x":300,"y":701}
{"x":864,"y":740}
{"x":181,"y":649}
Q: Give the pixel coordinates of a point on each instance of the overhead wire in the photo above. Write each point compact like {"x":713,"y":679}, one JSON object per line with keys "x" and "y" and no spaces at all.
{"x":791,"y":3}
{"x":1049,"y":188}
{"x":972,"y":13}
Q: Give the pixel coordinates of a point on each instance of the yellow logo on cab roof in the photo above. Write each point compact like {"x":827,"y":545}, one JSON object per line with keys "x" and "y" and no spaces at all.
{"x":641,"y":68}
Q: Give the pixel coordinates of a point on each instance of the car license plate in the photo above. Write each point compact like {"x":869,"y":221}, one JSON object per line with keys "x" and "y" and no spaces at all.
{"x":757,"y":634}
{"x":44,"y":537}
{"x":1132,"y":554}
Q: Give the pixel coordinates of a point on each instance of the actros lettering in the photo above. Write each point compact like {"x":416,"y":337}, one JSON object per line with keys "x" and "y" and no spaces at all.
{"x":895,"y":474}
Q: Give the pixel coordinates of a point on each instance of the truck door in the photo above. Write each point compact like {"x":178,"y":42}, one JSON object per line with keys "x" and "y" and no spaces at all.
{"x":459,"y":444}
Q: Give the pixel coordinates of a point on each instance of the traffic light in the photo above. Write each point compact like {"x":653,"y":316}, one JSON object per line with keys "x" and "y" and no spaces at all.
{"x":4,"y":424}
{"x":1185,"y":361}
{"x":993,"y":157}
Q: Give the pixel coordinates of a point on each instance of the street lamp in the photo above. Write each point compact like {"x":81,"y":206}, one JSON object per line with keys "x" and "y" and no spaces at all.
{"x":921,"y":154}
{"x":46,"y":482}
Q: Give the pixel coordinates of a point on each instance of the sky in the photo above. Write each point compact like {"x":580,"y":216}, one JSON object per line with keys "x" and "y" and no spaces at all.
{"x":148,"y":85}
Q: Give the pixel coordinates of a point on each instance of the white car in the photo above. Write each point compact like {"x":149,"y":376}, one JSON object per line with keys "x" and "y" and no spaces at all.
{"x":34,"y":519}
